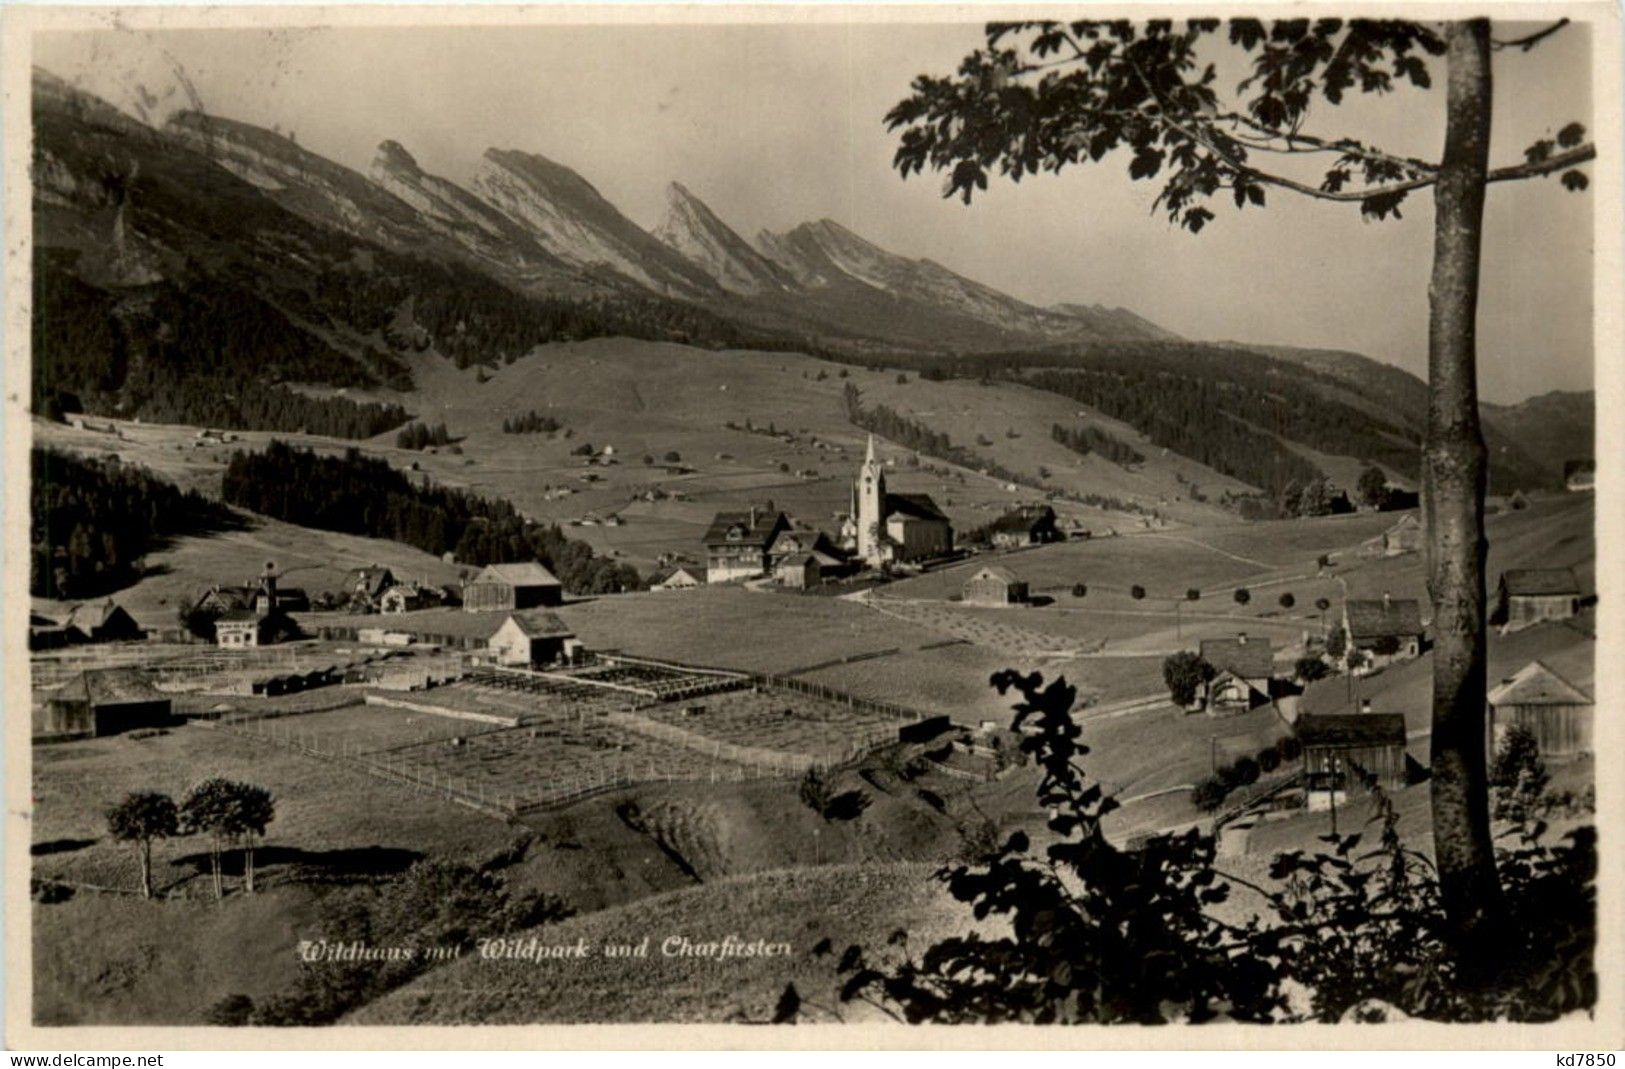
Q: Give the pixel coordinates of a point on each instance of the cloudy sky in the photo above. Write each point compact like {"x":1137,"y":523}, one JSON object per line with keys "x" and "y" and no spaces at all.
{"x":773,"y":125}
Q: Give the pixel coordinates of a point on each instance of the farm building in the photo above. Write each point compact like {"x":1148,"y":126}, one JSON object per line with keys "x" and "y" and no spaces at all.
{"x":736,"y":544}
{"x":1243,"y":669}
{"x":45,"y":633}
{"x":685,"y":577}
{"x":1529,"y":596}
{"x":409,"y":597}
{"x":890,"y":527}
{"x":1386,"y":629}
{"x":1403,"y":537}
{"x":1029,"y":525}
{"x":505,"y":587}
{"x":1580,"y":475}
{"x":104,"y":701}
{"x":1556,"y":712}
{"x":526,"y":639}
{"x":993,"y":585}
{"x":1340,"y":750}
{"x":365,"y":585}
{"x":799,"y":571}
{"x":802,"y":540}
{"x":245,"y":628}
{"x":101,"y":621}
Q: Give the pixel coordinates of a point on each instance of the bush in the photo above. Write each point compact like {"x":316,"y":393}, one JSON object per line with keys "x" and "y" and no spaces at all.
{"x":1310,"y":669}
{"x":1287,"y":600}
{"x":1193,"y":594}
{"x":1137,"y":592}
{"x":1386,"y":646}
{"x":1289,"y":748}
{"x":232,"y":1011}
{"x":1079,"y":590}
{"x":1246,"y":771}
{"x":673,"y":457}
{"x":1323,"y":604}
{"x":1269,"y":759}
{"x":1208,"y":794}
{"x":1243,"y":595}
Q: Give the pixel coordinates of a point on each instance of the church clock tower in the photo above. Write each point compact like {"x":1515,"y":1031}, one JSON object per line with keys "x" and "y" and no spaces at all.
{"x":869,"y":493}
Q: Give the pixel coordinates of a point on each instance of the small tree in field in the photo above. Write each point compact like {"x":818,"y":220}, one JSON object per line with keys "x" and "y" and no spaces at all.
{"x":815,"y":792}
{"x":1137,"y":592}
{"x":1046,"y":96}
{"x":1184,"y":673}
{"x":140,"y":818}
{"x":1079,"y":590}
{"x":1243,"y":595}
{"x":228,"y":812}
{"x":1193,"y":594}
{"x":1287,"y":600}
{"x":1309,"y":669}
{"x":1518,"y":776}
{"x":1373,"y":487}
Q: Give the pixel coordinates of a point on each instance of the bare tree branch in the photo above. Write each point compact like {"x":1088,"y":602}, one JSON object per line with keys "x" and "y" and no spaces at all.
{"x":1527,"y":43}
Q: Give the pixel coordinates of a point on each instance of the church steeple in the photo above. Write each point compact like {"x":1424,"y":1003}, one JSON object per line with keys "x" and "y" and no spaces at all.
{"x":869,"y":513}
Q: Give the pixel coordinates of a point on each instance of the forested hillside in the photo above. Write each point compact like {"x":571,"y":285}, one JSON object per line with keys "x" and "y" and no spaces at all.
{"x":365,"y":496}
{"x":91,"y":522}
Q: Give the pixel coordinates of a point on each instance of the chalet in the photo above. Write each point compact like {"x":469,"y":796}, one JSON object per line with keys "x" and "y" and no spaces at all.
{"x":1580,"y":475}
{"x":1386,"y":629}
{"x":799,"y":571}
{"x":245,"y":628}
{"x":1403,"y":537}
{"x":1243,"y":669}
{"x":737,"y":544}
{"x":506,"y":587}
{"x":1529,"y":596}
{"x":683,"y":577}
{"x":223,"y":599}
{"x":798,"y":541}
{"x":409,"y":597}
{"x":101,"y":621}
{"x":1342,"y":751}
{"x":364,"y":586}
{"x":891,"y":528}
{"x":1556,"y":712}
{"x":993,"y":585}
{"x":104,"y":701}
{"x":1029,"y":525}
{"x":527,"y":639}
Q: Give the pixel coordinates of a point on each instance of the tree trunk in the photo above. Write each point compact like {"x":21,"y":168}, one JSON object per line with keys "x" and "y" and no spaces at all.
{"x":214,"y":865}
{"x":1454,"y":482}
{"x":248,"y":866}
{"x":146,"y":868}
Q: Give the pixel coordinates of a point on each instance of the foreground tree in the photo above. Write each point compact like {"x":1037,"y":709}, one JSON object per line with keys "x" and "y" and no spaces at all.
{"x":228,"y":812}
{"x":1049,"y":95}
{"x":140,"y":818}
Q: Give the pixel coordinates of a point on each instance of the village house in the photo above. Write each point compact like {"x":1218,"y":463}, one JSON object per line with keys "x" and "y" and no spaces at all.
{"x":1529,"y":596}
{"x":45,"y":633}
{"x":505,"y":587}
{"x":1385,"y":629}
{"x":409,"y":597}
{"x":104,"y":701}
{"x":682,"y":577}
{"x":993,"y":585}
{"x":737,"y":543}
{"x":1558,"y":713}
{"x":1350,"y":751}
{"x":1243,"y":670}
{"x":92,"y":621}
{"x":530,"y":639}
{"x":799,"y":571}
{"x":887,"y":528}
{"x":362,"y":587}
{"x":1029,"y":525}
{"x":262,"y":624}
{"x":1403,"y":537}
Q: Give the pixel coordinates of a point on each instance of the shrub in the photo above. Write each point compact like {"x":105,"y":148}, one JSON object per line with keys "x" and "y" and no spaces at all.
{"x":1137,"y":592}
{"x":1246,"y":771}
{"x":1518,"y":776}
{"x":648,"y":458}
{"x":1309,"y":669}
{"x":1269,"y":759}
{"x":673,"y":457}
{"x":1079,"y":590}
{"x":1243,"y":595}
{"x":1193,"y":594}
{"x":1289,"y":747}
{"x":1208,"y":794}
{"x":1287,"y":600}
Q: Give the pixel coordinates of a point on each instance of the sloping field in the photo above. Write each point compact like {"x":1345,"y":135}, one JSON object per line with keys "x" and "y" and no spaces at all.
{"x":791,"y":909}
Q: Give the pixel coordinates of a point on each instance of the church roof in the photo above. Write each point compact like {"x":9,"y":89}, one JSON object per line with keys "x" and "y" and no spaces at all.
{"x":914,"y":506}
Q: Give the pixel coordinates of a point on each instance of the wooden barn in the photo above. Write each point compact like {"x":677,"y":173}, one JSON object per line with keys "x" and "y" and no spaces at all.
{"x":1243,"y":670}
{"x":799,"y":571}
{"x":1340,"y":749}
{"x":1386,"y":629}
{"x":101,"y":621}
{"x":1558,"y":713}
{"x":1403,"y":537}
{"x":506,"y":587}
{"x":684,"y":577}
{"x":527,"y":639}
{"x":104,"y":701}
{"x":1529,"y":596}
{"x":993,"y":585}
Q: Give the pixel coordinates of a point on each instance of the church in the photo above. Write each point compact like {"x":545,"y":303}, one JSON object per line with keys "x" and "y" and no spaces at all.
{"x":888,"y":528}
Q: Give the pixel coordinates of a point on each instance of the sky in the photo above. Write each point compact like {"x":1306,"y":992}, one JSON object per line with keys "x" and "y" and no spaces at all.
{"x":777,"y":124}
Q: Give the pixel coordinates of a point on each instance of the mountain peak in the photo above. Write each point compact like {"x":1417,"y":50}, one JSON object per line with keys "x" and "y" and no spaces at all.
{"x":694,"y":231}
{"x":392,"y":156}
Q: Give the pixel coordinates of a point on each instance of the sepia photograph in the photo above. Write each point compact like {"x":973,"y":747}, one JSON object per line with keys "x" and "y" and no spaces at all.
{"x":849,"y":517}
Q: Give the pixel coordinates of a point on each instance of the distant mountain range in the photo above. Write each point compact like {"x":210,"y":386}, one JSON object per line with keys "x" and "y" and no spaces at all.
{"x":216,"y":252}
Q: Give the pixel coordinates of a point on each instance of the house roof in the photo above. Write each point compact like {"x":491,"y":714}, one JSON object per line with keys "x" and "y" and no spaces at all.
{"x":528,"y":573}
{"x":914,"y":506}
{"x":373,"y":578}
{"x":237,"y":616}
{"x":1380,"y":617}
{"x":994,"y":571}
{"x":1022,"y":519}
{"x":1252,"y":658}
{"x":1351,"y":729}
{"x":1535,"y":582}
{"x":108,"y":686}
{"x":766,"y":527}
{"x":536,"y":623}
{"x":92,"y":614}
{"x":1536,"y":684}
{"x":800,"y":560}
{"x":694,"y":572}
